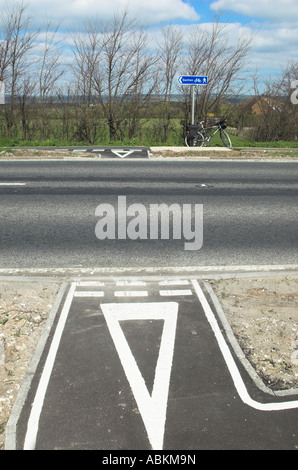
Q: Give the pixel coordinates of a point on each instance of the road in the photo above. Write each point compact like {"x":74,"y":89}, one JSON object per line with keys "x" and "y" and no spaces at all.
{"x":250,"y":212}
{"x":144,"y":363}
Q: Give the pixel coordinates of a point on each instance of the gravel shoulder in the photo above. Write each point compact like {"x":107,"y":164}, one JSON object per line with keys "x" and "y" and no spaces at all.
{"x":262,"y":312}
{"x":263,"y":315}
{"x":159,"y":152}
{"x":24,"y":309}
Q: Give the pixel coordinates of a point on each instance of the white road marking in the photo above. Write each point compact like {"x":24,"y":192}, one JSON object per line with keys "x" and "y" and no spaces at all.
{"x":13,"y":184}
{"x":174,"y":282}
{"x":123,"y":153}
{"x":32,"y":428}
{"x":237,"y":379}
{"x":152,"y":408}
{"x":90,"y":284}
{"x":89,"y":293}
{"x":175,"y":292}
{"x":131,"y":293}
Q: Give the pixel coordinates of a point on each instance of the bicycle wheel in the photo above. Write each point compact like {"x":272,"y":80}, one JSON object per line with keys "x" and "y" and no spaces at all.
{"x":198,"y":141}
{"x":226,"y":139}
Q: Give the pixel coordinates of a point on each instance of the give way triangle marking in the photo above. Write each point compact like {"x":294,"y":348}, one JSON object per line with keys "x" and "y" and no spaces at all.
{"x":123,"y":153}
{"x":152,"y":407}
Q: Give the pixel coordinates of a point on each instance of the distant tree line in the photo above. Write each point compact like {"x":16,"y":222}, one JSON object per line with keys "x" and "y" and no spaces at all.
{"x":116,"y":79}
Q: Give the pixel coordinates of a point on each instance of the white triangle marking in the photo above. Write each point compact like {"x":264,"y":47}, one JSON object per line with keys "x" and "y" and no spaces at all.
{"x":152,"y":407}
{"x":123,"y":153}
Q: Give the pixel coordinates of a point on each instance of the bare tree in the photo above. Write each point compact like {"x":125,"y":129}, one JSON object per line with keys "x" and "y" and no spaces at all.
{"x":211,"y":53}
{"x":170,"y":51}
{"x":50,"y":71}
{"x":25,"y":101}
{"x":19,"y":42}
{"x":123,"y":69}
{"x":5,"y":40}
{"x":277,"y":116}
{"x":87,"y":49}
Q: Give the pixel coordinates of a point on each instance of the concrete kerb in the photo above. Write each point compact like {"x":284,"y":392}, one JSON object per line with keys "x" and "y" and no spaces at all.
{"x":155,"y":153}
{"x":190,"y":149}
{"x":237,"y":349}
{"x":201,"y":272}
{"x":10,"y":438}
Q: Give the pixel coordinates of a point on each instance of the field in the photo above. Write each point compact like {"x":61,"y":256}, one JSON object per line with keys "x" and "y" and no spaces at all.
{"x":81,"y":126}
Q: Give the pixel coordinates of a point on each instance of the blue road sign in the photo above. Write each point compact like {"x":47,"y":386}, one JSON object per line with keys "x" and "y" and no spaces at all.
{"x":192,"y":80}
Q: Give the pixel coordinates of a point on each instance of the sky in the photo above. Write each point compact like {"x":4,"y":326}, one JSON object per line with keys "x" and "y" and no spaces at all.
{"x":274,"y":22}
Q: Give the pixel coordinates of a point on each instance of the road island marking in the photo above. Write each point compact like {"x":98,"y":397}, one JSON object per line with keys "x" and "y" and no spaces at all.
{"x":123,"y":153}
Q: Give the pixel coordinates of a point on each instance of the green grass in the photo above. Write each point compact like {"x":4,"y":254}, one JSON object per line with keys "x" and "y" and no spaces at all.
{"x":18,"y":142}
{"x":241,"y":142}
{"x":149,"y":138}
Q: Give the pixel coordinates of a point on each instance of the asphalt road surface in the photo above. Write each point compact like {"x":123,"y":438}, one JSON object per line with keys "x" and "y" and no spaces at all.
{"x":144,"y":364}
{"x":48,"y":212}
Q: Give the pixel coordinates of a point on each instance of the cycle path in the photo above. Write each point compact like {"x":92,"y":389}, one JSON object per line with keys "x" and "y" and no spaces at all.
{"x":145,"y":365}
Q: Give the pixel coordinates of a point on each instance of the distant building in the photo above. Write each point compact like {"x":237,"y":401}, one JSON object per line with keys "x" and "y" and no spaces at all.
{"x":264,"y":104}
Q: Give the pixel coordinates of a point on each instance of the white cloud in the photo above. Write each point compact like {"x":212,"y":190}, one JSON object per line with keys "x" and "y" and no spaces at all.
{"x":275,"y":38}
{"x":264,"y":9}
{"x":276,"y":33}
{"x":77,"y":11}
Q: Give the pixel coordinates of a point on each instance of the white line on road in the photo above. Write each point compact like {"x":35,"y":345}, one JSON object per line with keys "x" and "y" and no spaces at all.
{"x":174,"y":282}
{"x":33,"y":422}
{"x":174,"y":292}
{"x":131,"y":293}
{"x":89,"y":293}
{"x":234,"y":371}
{"x":13,"y":184}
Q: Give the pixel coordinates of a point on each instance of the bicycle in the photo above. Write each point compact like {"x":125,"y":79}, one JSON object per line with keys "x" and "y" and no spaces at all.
{"x":199,"y":136}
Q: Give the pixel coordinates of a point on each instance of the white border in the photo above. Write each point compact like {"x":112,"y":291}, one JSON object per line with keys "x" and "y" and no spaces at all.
{"x":237,"y":379}
{"x":33,"y":422}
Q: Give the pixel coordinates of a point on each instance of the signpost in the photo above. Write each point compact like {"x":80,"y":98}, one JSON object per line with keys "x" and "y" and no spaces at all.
{"x":193,"y":80}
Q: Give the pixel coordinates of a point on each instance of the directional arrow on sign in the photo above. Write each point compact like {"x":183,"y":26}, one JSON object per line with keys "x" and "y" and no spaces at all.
{"x":152,"y":407}
{"x":193,"y":80}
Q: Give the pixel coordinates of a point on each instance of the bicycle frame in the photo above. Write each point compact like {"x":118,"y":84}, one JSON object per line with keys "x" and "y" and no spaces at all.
{"x":204,"y":129}
{"x":205,"y":134}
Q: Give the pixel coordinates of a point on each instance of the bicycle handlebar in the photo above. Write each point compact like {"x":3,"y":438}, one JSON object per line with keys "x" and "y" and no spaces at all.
{"x":219,"y":123}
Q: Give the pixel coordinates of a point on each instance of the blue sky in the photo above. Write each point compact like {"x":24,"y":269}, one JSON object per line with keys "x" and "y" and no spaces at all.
{"x":275,"y":22}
